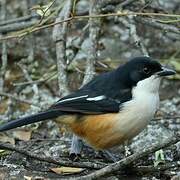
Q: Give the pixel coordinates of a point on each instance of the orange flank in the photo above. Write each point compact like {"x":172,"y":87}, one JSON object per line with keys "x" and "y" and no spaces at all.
{"x":98,"y":130}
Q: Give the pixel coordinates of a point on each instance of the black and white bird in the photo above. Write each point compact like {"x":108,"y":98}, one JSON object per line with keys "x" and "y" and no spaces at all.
{"x":112,"y":108}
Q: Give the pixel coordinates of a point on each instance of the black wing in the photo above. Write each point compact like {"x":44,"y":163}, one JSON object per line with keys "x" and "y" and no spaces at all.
{"x":104,"y":94}
{"x":87,"y":103}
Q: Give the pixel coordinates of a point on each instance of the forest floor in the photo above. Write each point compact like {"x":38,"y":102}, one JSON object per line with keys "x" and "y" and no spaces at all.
{"x":45,"y":141}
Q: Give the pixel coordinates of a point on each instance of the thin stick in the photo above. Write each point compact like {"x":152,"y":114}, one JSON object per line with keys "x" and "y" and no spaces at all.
{"x":126,"y":161}
{"x":90,"y":165}
{"x":18,"y":99}
{"x":87,"y":17}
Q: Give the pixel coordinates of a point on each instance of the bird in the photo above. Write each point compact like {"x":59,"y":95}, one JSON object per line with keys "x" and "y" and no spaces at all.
{"x":112,"y":108}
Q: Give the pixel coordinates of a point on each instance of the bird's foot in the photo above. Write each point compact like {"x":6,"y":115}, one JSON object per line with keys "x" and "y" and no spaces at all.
{"x":109,"y":156}
{"x":74,"y":157}
{"x":76,"y":147}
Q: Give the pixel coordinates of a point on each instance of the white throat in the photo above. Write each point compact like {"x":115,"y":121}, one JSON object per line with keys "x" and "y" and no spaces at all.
{"x":146,"y":93}
{"x":148,"y":85}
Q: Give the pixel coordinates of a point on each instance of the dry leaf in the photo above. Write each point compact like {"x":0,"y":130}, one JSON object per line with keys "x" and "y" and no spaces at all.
{"x":5,"y":138}
{"x":3,"y":106}
{"x":2,"y":151}
{"x":22,"y":135}
{"x":67,"y":170}
{"x":43,"y":10}
{"x":23,"y":107}
{"x":28,"y":177}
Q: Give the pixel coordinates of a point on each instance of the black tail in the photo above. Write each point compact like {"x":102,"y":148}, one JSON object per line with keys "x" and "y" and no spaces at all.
{"x":31,"y":119}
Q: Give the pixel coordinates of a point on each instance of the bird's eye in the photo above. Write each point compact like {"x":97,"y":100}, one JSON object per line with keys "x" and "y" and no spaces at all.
{"x":146,"y":70}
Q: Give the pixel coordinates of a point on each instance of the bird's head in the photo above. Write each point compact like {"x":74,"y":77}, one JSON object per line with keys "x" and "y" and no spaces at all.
{"x":146,"y":73}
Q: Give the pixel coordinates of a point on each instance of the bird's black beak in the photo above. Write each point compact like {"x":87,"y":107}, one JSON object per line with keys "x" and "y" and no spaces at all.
{"x":166,"y":72}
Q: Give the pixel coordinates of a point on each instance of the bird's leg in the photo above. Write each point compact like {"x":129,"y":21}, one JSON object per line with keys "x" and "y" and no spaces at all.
{"x":127,"y":149}
{"x":109,"y":156}
{"x":76,"y":147}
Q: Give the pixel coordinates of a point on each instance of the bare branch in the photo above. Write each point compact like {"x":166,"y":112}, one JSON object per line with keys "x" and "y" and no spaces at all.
{"x":94,"y":29}
{"x":4,"y":49}
{"x":19,"y":19}
{"x":137,"y":40}
{"x":51,"y":160}
{"x":87,"y":17}
{"x":17,"y":26}
{"x":153,"y":23}
{"x":59,"y":37}
{"x":126,"y":161}
{"x":30,"y":20}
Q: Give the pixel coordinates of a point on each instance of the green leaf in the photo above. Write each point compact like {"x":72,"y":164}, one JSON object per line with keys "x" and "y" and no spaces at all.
{"x":159,"y":158}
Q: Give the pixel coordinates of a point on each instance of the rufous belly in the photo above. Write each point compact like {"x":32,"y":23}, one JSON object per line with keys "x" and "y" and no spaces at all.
{"x":98,"y":130}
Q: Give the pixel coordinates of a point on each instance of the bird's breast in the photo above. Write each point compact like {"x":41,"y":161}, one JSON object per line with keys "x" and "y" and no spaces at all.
{"x":136,"y":114}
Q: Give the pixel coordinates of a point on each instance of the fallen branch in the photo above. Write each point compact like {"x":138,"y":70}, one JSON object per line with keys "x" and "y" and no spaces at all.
{"x":91,"y":165}
{"x":126,"y":161}
{"x":108,"y":169}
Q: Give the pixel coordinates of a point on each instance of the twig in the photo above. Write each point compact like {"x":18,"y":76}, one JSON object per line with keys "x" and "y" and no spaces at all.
{"x":59,"y":37}
{"x":126,"y":161}
{"x":44,"y":12}
{"x":17,"y":26}
{"x":90,"y":165}
{"x":87,"y":17}
{"x":19,"y":19}
{"x":18,"y":99}
{"x":49,"y":75}
{"x":137,"y":40}
{"x":41,"y":80}
{"x":27,"y":76}
{"x":27,"y":21}
{"x":155,"y":24}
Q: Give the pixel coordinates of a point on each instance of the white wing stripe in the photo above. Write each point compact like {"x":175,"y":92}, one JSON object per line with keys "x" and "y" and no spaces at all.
{"x":97,"y":98}
{"x":70,"y":99}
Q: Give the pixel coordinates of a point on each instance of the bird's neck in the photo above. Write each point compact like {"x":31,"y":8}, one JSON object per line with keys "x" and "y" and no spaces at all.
{"x":148,"y":86}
